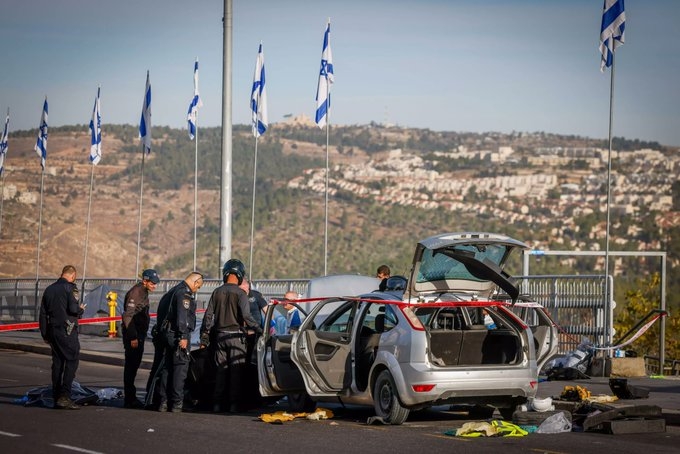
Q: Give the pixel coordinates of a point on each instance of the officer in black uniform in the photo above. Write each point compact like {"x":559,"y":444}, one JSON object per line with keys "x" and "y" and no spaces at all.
{"x":227,"y":313}
{"x":257,"y":304}
{"x":58,"y":320}
{"x":177,"y":315}
{"x":135,"y":325}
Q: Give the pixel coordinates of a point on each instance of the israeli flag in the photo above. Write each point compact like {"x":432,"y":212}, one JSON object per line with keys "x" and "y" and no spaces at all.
{"x":3,"y":146}
{"x":612,"y":31}
{"x":96,"y":132}
{"x":194,"y":105}
{"x":145,"y":122}
{"x":41,"y":144}
{"x":323,"y":89}
{"x":258,"y":97}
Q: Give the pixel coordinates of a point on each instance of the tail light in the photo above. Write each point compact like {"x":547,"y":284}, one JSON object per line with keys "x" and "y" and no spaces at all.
{"x":412,"y":318}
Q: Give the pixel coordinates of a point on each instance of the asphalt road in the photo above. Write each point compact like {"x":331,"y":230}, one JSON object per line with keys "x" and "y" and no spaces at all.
{"x":108,"y":428}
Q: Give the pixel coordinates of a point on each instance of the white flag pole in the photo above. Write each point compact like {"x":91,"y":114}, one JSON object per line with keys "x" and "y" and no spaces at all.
{"x":37,"y":264}
{"x":2,"y":183}
{"x":609,"y":179}
{"x":139,"y":223}
{"x":2,"y":199}
{"x":195,"y":186}
{"x":325,"y":243}
{"x":252,"y":216}
{"x":87,"y":228}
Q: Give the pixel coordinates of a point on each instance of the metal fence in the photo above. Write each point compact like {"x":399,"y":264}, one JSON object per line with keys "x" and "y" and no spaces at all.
{"x":578,"y":305}
{"x":20,"y":298}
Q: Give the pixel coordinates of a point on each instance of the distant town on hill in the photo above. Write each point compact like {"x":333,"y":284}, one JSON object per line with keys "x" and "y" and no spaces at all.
{"x":388,"y":188}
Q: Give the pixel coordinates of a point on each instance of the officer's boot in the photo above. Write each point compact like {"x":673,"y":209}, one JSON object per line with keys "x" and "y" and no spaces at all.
{"x":65,"y":403}
{"x":177,"y":407}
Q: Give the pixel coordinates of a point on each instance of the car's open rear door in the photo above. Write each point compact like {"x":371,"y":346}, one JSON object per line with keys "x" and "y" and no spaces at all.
{"x":322,"y":348}
{"x":277,"y":373}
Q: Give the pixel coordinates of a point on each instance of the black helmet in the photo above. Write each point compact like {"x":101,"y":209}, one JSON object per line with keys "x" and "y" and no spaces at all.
{"x":236,"y":267}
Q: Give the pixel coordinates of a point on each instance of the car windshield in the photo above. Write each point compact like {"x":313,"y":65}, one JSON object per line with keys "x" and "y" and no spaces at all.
{"x":438,"y":266}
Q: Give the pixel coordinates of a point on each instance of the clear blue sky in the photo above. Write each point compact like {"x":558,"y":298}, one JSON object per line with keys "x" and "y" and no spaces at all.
{"x":454,"y":65}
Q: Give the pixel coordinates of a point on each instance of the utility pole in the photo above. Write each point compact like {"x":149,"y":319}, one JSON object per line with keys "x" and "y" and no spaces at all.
{"x":226,"y":187}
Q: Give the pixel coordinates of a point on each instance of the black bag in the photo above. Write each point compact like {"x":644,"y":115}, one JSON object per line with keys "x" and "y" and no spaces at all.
{"x":161,"y":328}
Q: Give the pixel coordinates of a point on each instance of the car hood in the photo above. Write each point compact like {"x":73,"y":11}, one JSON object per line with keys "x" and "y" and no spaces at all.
{"x":465,"y":262}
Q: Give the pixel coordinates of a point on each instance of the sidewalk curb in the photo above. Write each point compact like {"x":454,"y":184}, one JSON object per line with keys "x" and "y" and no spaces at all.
{"x":85,"y":355}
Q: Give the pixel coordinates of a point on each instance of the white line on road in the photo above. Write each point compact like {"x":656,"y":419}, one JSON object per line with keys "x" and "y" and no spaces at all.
{"x":75,"y":448}
{"x":9,"y":434}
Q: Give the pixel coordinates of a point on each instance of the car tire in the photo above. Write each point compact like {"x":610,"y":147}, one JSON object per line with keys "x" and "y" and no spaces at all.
{"x":386,"y":400}
{"x":535,"y":418}
{"x":300,"y":402}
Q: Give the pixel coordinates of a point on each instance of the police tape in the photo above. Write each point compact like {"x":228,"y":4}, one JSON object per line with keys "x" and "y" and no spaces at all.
{"x":83,"y":321}
{"x":36,"y":325}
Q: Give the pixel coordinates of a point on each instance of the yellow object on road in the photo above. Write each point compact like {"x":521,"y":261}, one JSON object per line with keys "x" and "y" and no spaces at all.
{"x":575,"y":393}
{"x":282,"y":416}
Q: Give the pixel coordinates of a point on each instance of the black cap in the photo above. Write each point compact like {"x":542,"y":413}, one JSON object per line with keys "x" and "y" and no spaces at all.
{"x":151,"y":275}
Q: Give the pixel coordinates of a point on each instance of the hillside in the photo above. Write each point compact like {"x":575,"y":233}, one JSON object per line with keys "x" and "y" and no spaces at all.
{"x":364,"y":230}
{"x":288,"y":239}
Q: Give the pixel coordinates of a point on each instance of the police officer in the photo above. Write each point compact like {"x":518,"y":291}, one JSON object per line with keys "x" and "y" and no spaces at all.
{"x":177,"y":315}
{"x":135,"y":325}
{"x":58,"y":320}
{"x":257,"y":304}
{"x":228,"y":311}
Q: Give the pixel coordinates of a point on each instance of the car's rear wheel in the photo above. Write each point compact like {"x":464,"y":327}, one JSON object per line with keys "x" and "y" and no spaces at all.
{"x":386,"y":400}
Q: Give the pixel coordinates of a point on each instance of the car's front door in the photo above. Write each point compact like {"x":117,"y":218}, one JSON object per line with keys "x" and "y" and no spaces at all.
{"x":322,"y":348}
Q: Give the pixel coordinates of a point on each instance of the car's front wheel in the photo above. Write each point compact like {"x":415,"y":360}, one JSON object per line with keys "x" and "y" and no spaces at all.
{"x":386,"y":400}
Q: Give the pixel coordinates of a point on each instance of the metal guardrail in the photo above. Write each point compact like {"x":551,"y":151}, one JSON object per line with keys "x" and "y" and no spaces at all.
{"x":653,"y":366}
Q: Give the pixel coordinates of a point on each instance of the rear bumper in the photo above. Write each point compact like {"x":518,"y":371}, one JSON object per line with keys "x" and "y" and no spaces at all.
{"x":463,"y":384}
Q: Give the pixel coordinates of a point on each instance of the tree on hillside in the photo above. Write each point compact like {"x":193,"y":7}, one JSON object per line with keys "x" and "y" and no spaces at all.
{"x":638,"y":303}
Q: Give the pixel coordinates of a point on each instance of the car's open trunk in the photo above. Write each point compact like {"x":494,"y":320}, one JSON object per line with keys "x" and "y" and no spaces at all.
{"x":475,"y":346}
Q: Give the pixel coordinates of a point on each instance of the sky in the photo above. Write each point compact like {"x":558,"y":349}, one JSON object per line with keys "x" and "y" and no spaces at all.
{"x":446,"y":65}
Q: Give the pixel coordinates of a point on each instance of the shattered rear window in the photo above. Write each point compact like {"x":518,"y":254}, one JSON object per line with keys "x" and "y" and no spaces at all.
{"x":438,"y":267}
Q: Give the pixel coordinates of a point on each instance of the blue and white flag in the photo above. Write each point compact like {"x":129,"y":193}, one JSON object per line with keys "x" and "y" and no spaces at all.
{"x":96,"y":132}
{"x":3,"y":145}
{"x":145,"y":122}
{"x":612,"y":31}
{"x":258,"y":97}
{"x":323,"y":90}
{"x":194,"y":105}
{"x":41,"y":144}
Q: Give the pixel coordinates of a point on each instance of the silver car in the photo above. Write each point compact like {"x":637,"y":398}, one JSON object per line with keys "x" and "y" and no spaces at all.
{"x":450,"y":334}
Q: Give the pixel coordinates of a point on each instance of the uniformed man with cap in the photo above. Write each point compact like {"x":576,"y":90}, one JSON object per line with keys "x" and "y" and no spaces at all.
{"x":135,"y":325}
{"x":177,"y":319}
{"x":58,"y":321}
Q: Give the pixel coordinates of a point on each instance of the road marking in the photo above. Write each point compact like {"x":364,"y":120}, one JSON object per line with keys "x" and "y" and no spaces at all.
{"x":9,"y":434}
{"x":448,"y":437}
{"x":75,"y":448}
{"x":544,"y":451}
